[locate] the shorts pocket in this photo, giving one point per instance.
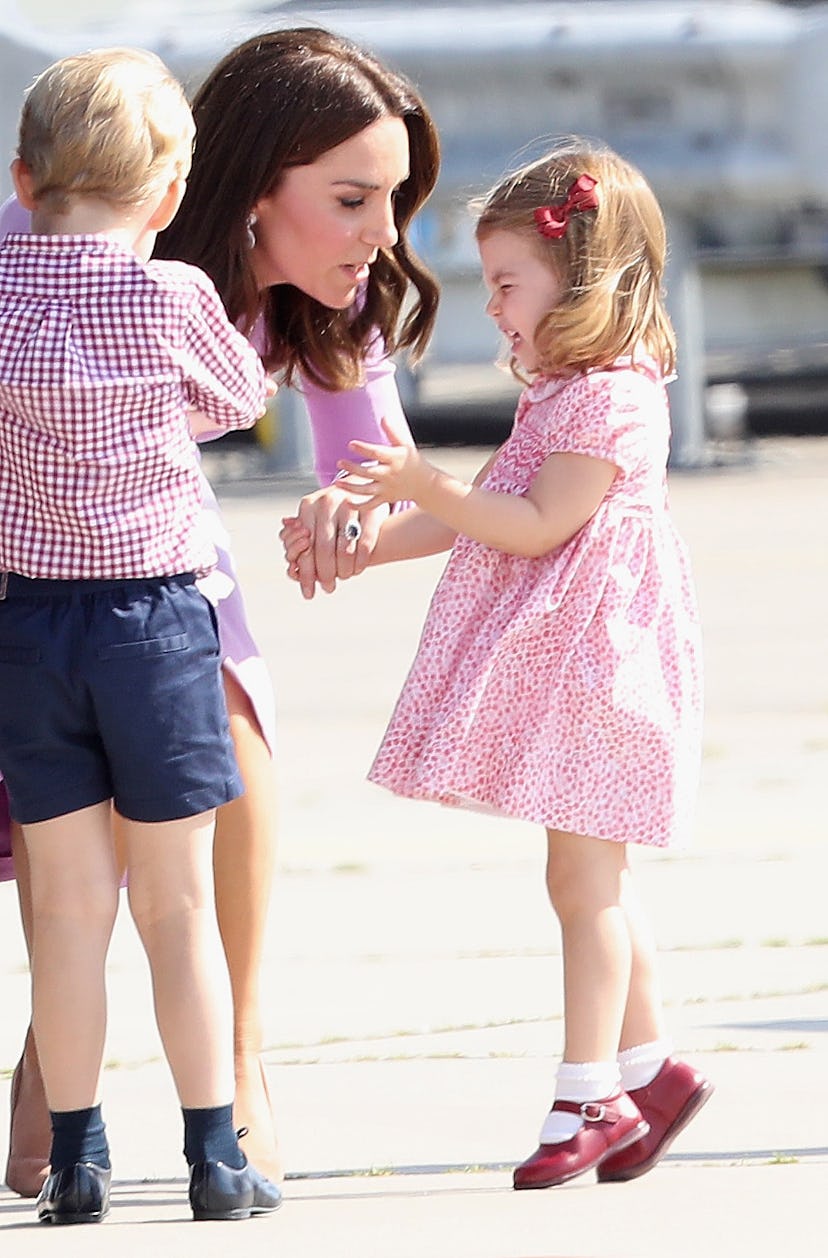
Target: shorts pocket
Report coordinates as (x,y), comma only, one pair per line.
(16,653)
(149,648)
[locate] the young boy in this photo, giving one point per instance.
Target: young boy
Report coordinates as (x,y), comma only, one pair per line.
(109,664)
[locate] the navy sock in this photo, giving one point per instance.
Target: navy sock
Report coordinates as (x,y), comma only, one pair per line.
(209,1137)
(78,1135)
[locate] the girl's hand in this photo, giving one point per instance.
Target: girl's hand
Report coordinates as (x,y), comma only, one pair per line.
(386,474)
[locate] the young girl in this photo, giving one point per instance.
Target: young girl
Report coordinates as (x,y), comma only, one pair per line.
(558,675)
(105,359)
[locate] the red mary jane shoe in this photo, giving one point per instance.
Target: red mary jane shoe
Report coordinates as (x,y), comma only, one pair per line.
(668,1103)
(609,1126)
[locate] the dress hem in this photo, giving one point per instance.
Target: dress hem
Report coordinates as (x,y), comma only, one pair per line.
(565,826)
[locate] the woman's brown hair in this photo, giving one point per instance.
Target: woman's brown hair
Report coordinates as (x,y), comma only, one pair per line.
(610,259)
(283,99)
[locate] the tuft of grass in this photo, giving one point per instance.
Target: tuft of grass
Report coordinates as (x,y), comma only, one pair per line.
(717,946)
(114,1063)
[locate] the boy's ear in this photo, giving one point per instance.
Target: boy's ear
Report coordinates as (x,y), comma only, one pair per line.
(167,207)
(23,184)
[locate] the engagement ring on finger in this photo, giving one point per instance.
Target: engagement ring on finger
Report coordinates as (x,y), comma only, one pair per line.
(352,531)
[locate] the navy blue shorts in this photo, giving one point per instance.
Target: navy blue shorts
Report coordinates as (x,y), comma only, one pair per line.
(112,690)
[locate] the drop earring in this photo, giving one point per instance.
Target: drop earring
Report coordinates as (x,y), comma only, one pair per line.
(250,234)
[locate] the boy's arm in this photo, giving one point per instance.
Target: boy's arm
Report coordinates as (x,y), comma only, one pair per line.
(226,382)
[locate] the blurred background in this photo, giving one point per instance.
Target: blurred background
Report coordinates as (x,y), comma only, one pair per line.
(722,105)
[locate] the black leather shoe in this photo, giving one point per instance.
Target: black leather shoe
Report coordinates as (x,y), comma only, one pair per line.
(77,1194)
(218,1191)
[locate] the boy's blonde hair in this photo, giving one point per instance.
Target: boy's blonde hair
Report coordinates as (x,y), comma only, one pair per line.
(610,259)
(111,123)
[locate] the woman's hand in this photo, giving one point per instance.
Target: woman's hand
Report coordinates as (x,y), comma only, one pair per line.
(331,537)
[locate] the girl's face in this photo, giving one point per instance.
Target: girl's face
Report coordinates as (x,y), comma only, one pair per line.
(523,289)
(325,223)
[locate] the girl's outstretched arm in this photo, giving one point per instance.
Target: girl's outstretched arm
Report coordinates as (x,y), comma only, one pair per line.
(411,534)
(567,490)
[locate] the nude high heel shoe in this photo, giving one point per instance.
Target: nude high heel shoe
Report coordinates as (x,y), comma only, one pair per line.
(30,1129)
(253,1115)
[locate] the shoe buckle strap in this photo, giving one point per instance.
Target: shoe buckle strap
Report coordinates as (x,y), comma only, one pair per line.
(598,1112)
(590,1111)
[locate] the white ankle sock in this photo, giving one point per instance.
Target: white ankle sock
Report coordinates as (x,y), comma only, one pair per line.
(640,1065)
(578,1081)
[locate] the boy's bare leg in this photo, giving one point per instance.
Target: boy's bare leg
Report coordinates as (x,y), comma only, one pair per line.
(74,900)
(243,865)
(172,901)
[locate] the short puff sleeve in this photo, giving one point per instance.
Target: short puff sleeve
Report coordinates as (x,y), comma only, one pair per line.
(613,415)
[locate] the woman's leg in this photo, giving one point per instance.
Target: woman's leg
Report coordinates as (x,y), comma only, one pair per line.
(243,862)
(74,900)
(22,875)
(30,1131)
(170,886)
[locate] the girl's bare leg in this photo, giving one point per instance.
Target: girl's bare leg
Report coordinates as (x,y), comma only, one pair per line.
(243,861)
(585,877)
(30,1132)
(643,1015)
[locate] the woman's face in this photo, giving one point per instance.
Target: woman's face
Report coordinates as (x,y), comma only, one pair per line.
(324,225)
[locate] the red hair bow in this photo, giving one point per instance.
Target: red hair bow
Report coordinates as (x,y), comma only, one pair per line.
(553,220)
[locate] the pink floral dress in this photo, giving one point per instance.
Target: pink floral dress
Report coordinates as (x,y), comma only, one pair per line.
(565,689)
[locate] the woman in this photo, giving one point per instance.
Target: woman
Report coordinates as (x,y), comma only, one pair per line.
(311,160)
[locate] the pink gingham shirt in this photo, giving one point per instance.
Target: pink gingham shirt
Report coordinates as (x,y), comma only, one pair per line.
(101,358)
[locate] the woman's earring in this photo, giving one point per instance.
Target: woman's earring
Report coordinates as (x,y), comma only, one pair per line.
(251,235)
